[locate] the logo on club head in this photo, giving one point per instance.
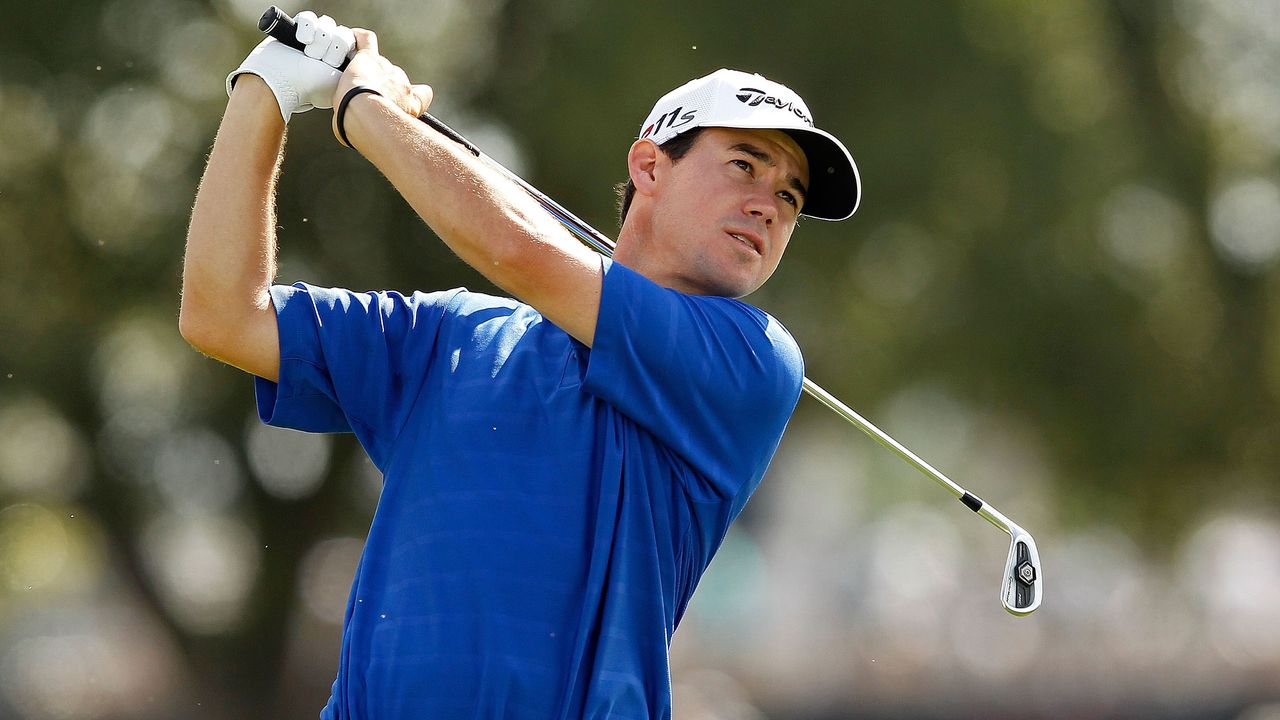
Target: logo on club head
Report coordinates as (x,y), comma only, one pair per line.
(753,97)
(1027,573)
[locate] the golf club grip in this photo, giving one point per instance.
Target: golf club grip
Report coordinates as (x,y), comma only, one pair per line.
(279,25)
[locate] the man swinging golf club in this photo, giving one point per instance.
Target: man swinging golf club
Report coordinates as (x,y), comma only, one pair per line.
(559,466)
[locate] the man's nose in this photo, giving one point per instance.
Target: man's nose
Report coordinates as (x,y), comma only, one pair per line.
(760,205)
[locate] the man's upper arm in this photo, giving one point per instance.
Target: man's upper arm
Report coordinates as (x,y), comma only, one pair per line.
(251,344)
(352,361)
(261,352)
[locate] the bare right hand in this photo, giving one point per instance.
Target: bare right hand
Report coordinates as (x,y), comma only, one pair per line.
(368,68)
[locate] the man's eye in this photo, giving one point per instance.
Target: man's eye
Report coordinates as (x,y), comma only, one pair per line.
(743,164)
(791,199)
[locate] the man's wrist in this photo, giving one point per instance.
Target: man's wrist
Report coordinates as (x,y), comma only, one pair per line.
(351,121)
(340,112)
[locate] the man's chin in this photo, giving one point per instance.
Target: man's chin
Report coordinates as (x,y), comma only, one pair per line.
(722,284)
(729,289)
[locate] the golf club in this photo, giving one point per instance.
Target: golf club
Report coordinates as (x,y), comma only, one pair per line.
(1022,585)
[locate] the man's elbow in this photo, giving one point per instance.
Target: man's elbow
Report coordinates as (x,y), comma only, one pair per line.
(201,327)
(193,319)
(193,328)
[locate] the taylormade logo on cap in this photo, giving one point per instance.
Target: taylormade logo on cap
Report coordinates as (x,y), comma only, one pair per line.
(725,98)
(753,97)
(735,99)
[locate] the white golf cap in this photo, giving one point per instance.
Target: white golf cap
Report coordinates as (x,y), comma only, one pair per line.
(735,99)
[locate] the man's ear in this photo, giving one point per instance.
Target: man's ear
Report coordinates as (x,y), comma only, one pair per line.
(642,165)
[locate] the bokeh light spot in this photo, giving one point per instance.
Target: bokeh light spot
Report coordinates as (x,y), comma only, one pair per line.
(1145,231)
(1232,564)
(196,472)
(143,364)
(29,131)
(289,464)
(325,579)
(203,568)
(40,452)
(33,546)
(1245,224)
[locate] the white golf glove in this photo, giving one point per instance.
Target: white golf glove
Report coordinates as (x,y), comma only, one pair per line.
(301,80)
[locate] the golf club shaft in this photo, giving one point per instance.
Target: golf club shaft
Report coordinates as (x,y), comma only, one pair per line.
(971,501)
(280,26)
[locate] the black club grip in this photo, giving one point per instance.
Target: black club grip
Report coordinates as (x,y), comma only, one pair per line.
(277,23)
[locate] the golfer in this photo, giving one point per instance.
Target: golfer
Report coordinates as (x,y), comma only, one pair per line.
(559,465)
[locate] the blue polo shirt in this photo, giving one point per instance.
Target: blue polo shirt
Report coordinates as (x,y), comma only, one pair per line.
(547,508)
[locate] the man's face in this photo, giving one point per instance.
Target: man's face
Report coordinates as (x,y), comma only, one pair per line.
(723,213)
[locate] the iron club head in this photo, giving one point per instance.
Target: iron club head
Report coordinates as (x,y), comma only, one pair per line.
(1023,584)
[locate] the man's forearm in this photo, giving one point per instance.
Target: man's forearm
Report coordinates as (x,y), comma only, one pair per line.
(230,256)
(480,214)
(490,222)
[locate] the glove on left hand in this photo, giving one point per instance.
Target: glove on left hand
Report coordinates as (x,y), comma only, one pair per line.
(301,80)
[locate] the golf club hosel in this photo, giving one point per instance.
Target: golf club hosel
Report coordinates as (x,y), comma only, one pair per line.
(997,518)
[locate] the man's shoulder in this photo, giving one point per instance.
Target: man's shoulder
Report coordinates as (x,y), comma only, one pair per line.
(631,286)
(764,328)
(762,318)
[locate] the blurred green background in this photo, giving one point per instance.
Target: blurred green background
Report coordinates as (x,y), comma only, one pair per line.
(1061,289)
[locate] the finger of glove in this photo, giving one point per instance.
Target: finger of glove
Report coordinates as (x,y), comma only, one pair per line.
(340,46)
(325,27)
(306,21)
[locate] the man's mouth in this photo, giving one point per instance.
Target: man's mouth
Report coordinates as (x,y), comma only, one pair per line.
(745,240)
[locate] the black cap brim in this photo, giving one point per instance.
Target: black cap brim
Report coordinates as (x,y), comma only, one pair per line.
(834,186)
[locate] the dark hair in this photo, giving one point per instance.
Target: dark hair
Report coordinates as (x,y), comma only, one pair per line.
(675,148)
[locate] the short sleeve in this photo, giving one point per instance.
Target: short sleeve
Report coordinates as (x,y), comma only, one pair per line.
(713,378)
(350,362)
